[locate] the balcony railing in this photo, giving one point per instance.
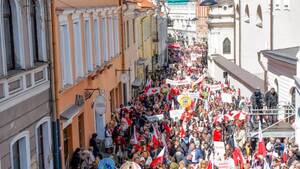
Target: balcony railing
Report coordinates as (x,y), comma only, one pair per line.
(274,121)
(12,86)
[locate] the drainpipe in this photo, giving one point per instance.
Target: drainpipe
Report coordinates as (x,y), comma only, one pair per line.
(234,33)
(271,25)
(265,71)
(240,33)
(55,123)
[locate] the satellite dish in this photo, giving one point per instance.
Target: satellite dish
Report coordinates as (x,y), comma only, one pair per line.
(124,77)
(99,105)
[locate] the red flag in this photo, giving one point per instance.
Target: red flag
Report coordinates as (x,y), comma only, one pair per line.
(156,143)
(237,155)
(182,132)
(148,85)
(209,166)
(261,144)
(159,159)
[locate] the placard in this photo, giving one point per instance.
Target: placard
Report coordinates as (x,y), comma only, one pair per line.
(219,148)
(226,98)
(155,117)
(176,114)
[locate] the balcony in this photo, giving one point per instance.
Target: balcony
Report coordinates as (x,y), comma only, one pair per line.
(284,116)
(12,86)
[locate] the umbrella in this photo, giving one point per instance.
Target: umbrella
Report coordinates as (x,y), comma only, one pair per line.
(106,163)
(130,165)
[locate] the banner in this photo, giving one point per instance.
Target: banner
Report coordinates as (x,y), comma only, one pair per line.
(215,87)
(155,117)
(184,101)
(178,82)
(176,114)
(200,79)
(223,164)
(153,91)
(193,95)
(219,148)
(226,98)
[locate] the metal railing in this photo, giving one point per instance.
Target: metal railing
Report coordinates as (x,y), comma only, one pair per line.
(284,113)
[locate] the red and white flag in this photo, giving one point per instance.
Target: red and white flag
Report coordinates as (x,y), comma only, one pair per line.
(148,85)
(238,155)
(159,159)
(135,140)
(261,144)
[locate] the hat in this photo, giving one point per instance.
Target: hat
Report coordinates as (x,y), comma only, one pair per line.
(174,165)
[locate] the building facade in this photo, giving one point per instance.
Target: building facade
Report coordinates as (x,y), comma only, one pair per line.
(87,59)
(25,124)
(184,18)
(201,23)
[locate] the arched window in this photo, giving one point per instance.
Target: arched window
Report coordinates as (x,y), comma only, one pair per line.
(34,29)
(37,30)
(259,17)
(226,46)
(247,14)
(9,35)
(20,151)
(293,95)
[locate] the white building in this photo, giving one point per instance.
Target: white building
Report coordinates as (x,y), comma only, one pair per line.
(221,29)
(266,43)
(183,15)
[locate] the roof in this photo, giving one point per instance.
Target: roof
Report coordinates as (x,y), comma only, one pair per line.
(225,2)
(288,55)
(248,79)
(145,3)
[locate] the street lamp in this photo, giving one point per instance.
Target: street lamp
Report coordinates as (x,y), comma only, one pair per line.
(208,3)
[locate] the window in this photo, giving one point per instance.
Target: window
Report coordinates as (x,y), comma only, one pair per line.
(88,47)
(81,129)
(259,17)
(43,142)
(247,14)
(20,151)
(127,34)
(226,46)
(104,38)
(9,35)
(66,62)
(133,27)
(117,35)
(96,43)
(111,37)
(78,49)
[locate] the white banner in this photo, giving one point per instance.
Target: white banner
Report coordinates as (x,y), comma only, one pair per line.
(219,148)
(153,91)
(215,87)
(200,79)
(155,117)
(226,98)
(176,114)
(178,82)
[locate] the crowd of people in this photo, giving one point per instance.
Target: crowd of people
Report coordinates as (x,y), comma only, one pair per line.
(183,119)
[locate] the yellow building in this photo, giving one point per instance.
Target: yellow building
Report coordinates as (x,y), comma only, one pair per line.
(87,38)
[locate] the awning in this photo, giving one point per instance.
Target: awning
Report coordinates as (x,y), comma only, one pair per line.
(249,80)
(137,83)
(70,112)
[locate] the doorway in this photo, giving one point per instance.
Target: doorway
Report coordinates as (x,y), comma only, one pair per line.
(67,136)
